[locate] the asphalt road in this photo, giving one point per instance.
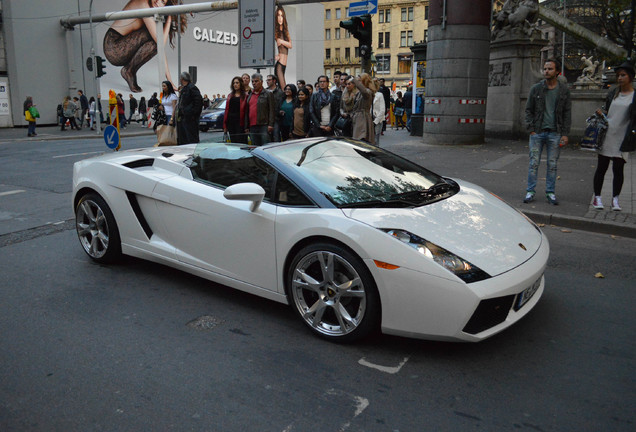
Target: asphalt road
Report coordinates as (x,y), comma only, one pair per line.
(138,346)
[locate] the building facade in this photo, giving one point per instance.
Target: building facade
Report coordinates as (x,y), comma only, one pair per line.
(397,26)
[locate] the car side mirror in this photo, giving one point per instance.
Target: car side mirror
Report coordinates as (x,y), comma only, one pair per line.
(246,192)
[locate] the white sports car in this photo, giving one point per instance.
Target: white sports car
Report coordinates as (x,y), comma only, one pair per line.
(355,238)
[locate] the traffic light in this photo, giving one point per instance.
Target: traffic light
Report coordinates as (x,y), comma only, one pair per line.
(100,66)
(360,28)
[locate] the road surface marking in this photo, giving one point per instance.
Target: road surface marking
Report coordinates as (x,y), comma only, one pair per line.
(385,369)
(12,192)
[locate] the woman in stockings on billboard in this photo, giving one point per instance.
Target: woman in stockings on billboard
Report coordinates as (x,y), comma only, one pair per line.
(132,42)
(283,43)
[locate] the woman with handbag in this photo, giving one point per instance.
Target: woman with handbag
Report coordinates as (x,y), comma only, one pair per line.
(234,117)
(347,104)
(29,117)
(620,106)
(301,123)
(362,126)
(169,100)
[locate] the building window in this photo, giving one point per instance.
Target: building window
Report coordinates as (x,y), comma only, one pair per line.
(347,53)
(357,72)
(348,71)
(384,16)
(327,14)
(356,51)
(328,53)
(346,11)
(338,54)
(407,13)
(426,35)
(328,34)
(404,64)
(425,12)
(383,64)
(328,73)
(347,34)
(338,33)
(384,39)
(338,14)
(406,38)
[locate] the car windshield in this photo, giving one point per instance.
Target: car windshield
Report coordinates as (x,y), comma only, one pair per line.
(354,174)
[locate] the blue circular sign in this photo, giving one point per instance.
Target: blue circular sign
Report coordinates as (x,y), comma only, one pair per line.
(111,137)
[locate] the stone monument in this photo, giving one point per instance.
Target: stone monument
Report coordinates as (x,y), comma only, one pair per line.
(515,65)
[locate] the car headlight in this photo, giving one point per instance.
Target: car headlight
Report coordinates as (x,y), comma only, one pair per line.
(460,267)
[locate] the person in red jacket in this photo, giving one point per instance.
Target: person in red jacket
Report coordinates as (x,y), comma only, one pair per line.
(234,118)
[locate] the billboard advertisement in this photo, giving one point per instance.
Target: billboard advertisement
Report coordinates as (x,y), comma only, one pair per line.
(210,41)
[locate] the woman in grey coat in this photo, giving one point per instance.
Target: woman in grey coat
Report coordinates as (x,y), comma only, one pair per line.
(363,126)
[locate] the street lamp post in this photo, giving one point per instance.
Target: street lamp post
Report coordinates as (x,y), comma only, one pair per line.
(95,71)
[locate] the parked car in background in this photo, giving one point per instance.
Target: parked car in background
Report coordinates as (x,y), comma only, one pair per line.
(212,118)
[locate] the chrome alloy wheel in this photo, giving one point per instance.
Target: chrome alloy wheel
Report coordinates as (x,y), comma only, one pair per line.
(92,228)
(328,293)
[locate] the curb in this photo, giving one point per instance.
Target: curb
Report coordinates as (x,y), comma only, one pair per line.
(583,224)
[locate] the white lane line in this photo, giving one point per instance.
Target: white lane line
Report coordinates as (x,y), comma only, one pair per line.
(385,369)
(12,192)
(77,154)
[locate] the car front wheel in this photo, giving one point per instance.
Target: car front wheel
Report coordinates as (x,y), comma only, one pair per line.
(96,229)
(334,293)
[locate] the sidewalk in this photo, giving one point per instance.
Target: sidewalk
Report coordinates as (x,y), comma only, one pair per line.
(501,166)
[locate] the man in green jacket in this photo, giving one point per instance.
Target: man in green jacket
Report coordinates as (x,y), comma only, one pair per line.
(548,120)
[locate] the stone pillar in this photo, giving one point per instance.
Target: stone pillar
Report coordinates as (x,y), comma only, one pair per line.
(457,71)
(515,66)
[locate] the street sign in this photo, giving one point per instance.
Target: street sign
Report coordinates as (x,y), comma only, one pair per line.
(256,24)
(363,8)
(111,137)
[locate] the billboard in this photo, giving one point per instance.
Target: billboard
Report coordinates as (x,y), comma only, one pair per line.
(207,40)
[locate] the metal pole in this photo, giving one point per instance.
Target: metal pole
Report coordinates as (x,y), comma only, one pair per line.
(563,47)
(161,49)
(95,71)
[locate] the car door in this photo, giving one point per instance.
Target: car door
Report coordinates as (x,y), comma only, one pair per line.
(217,234)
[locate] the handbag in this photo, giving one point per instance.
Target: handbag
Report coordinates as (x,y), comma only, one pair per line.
(594,132)
(166,135)
(399,112)
(34,112)
(343,123)
(28,116)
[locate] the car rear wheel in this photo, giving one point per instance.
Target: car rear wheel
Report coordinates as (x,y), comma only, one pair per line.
(334,293)
(96,229)
(204,128)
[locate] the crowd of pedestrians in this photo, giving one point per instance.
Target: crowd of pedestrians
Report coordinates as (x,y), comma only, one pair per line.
(258,110)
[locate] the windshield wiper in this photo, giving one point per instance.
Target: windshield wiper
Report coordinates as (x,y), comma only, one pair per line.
(436,190)
(378,203)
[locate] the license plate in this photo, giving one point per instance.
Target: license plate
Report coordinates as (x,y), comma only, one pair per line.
(526,294)
(203,124)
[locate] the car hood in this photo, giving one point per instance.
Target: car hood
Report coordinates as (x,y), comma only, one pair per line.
(473,224)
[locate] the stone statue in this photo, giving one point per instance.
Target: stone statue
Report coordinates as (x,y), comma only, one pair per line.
(590,68)
(517,18)
(591,75)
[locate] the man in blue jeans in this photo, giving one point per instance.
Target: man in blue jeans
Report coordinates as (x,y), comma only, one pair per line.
(548,119)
